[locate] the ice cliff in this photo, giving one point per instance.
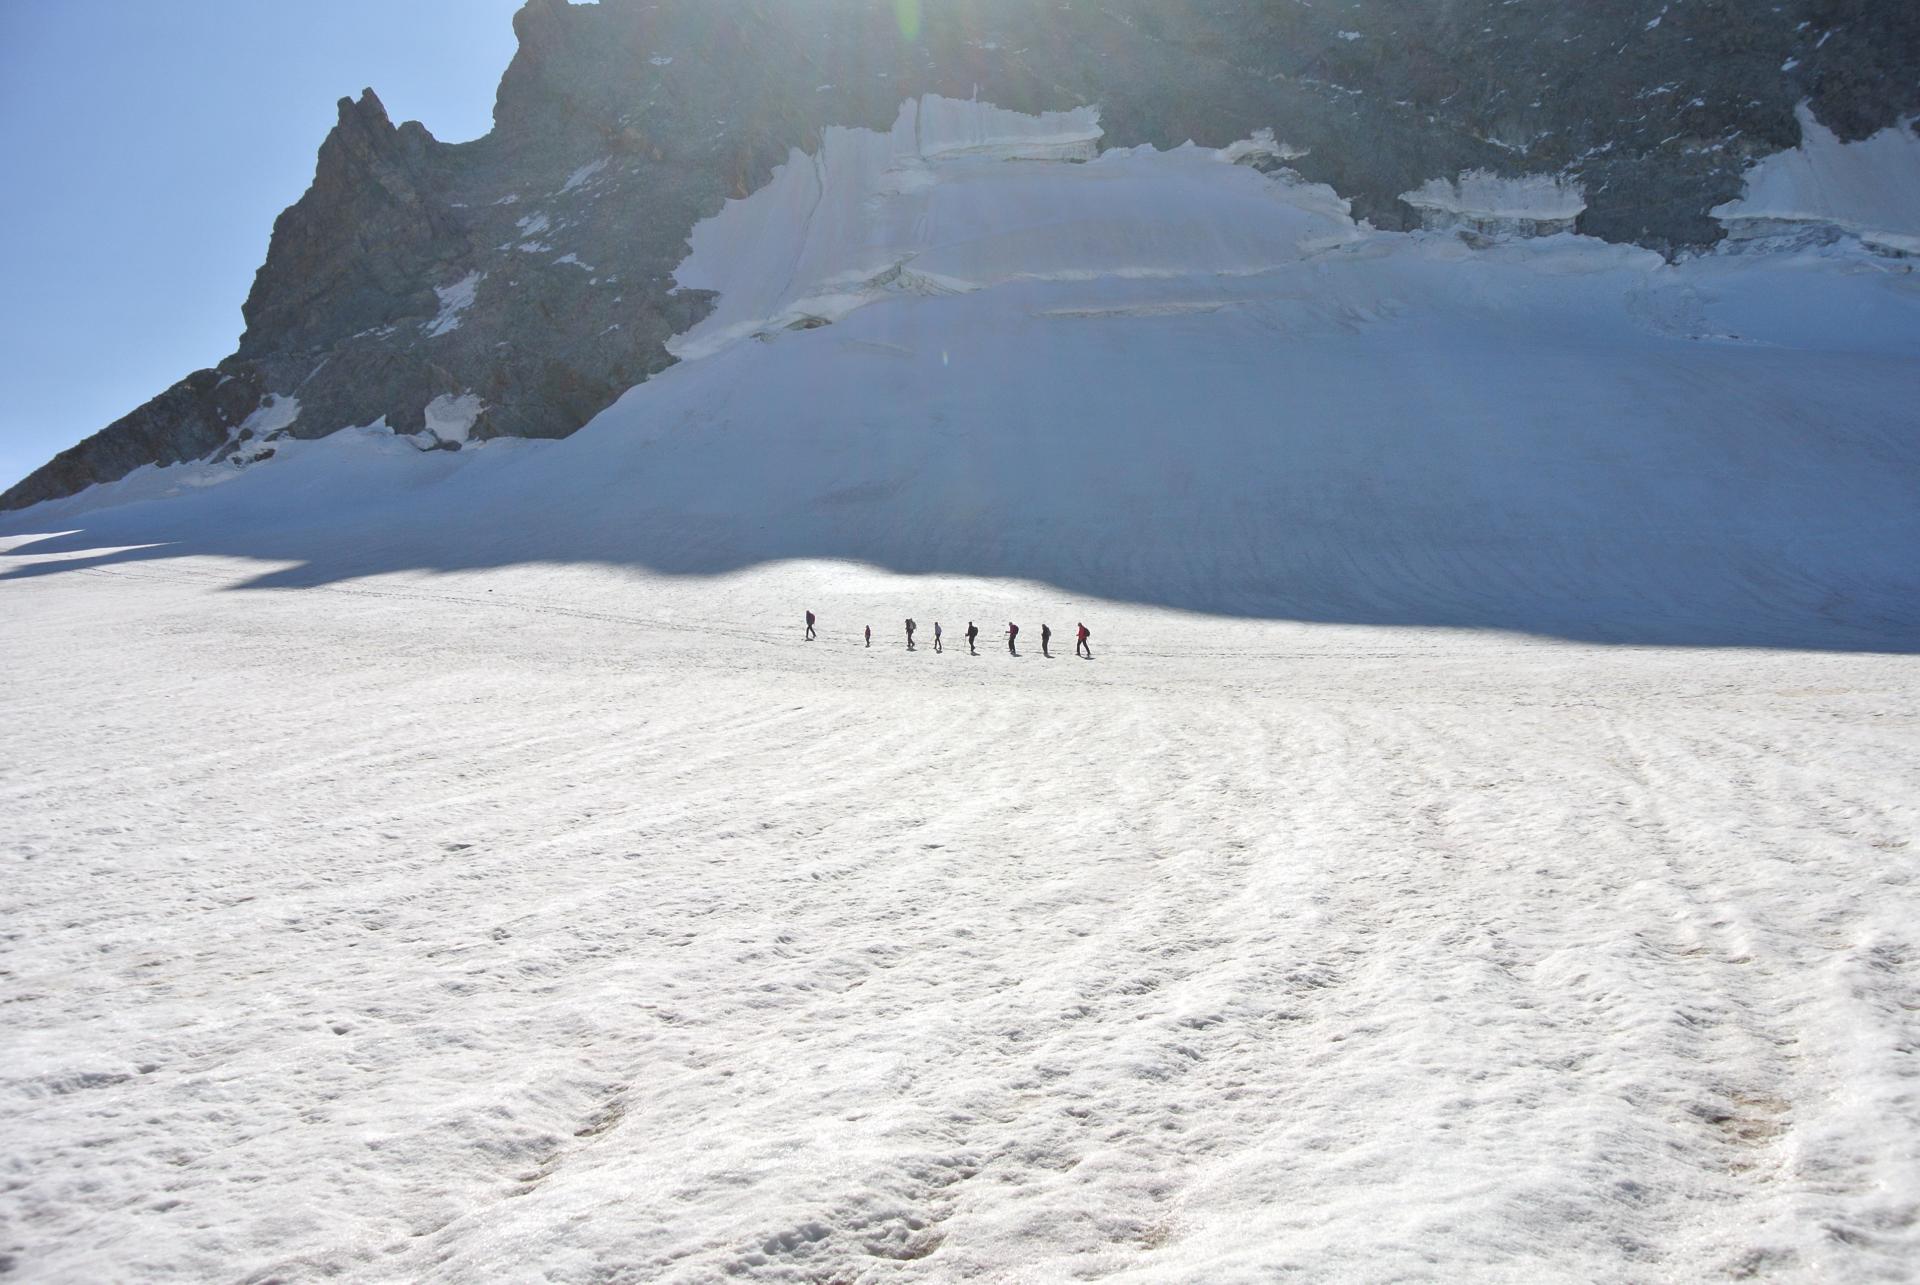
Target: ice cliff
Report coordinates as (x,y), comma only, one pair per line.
(1824,189)
(1487,204)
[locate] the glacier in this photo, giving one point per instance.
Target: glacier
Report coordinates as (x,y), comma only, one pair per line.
(1484,847)
(1167,378)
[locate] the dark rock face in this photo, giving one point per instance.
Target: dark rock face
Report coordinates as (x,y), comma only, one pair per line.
(534,267)
(360,244)
(196,417)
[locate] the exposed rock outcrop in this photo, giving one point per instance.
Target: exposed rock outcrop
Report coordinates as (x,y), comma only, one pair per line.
(357,250)
(193,419)
(532,270)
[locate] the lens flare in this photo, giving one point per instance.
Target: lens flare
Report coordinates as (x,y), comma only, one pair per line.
(907,13)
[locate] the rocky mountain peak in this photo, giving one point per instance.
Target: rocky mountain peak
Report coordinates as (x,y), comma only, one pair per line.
(350,254)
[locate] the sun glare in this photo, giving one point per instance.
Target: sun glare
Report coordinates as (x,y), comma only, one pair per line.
(907,13)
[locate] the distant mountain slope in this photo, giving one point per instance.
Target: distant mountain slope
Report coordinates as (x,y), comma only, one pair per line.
(1166,378)
(531,271)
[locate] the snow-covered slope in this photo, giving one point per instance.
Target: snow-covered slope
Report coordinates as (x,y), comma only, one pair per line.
(535,268)
(446,866)
(1165,378)
(543,923)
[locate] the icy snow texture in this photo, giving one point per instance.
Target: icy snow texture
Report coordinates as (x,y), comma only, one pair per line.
(629,939)
(497,888)
(1531,205)
(1869,189)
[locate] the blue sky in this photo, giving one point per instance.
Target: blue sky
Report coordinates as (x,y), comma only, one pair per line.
(147,148)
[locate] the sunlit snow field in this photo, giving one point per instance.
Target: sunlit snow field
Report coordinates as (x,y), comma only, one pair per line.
(1482,846)
(485,926)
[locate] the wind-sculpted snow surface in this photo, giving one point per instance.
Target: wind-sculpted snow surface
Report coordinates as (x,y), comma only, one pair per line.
(501,889)
(570,925)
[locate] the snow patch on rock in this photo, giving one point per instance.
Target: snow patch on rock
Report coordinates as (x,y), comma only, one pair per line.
(584,175)
(454,301)
(275,414)
(451,418)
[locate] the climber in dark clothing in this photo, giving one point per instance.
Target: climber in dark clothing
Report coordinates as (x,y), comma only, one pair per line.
(910,628)
(973,632)
(1013,633)
(869,635)
(1046,636)
(809,626)
(1081,645)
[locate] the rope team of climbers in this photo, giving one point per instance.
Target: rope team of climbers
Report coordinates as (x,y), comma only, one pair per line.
(1081,647)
